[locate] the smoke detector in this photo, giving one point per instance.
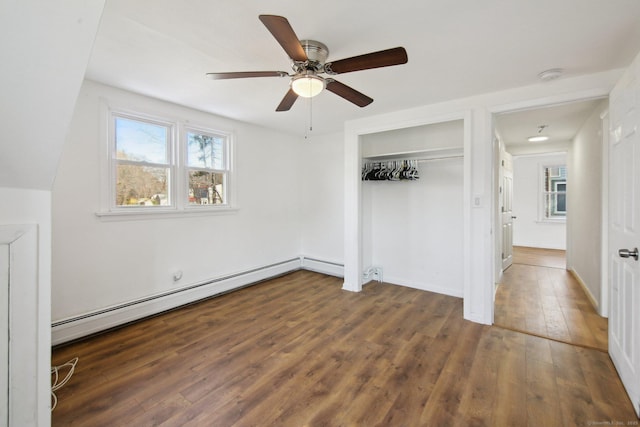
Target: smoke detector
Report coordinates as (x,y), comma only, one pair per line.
(551,74)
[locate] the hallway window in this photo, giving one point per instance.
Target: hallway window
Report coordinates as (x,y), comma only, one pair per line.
(554,194)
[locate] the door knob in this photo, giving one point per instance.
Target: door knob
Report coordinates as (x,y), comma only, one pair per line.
(626,253)
(513,217)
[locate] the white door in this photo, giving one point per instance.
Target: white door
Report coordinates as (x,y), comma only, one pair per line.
(624,231)
(507,210)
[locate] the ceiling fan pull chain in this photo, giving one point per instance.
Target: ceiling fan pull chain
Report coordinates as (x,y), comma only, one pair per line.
(310,114)
(310,127)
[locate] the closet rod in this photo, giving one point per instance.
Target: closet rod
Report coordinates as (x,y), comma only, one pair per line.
(439,158)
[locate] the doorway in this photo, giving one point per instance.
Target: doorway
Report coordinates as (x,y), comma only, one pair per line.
(544,292)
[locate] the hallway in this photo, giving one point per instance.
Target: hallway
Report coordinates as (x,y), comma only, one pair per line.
(538,296)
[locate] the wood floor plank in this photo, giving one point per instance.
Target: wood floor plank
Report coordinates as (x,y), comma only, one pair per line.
(536,256)
(300,351)
(543,405)
(479,399)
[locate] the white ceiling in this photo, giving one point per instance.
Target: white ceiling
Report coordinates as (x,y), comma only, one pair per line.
(163,48)
(562,122)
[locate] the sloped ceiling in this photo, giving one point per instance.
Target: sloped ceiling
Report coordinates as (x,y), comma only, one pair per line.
(163,48)
(45,49)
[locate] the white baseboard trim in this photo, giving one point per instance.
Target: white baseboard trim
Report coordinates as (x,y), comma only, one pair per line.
(324,267)
(586,289)
(90,323)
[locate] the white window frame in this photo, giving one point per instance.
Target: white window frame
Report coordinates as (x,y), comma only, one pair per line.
(114,161)
(178,170)
(558,192)
(543,194)
(226,171)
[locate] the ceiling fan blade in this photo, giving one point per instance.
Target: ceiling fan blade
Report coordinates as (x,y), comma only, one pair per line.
(287,101)
(245,74)
(382,58)
(348,93)
(284,34)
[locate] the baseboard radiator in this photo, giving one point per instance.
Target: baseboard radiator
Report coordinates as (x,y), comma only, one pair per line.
(76,327)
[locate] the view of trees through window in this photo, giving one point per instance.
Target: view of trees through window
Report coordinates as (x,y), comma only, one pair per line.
(141,185)
(142,166)
(206,162)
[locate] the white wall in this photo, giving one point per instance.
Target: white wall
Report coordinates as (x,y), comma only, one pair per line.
(528,229)
(584,206)
(415,227)
(322,197)
(98,263)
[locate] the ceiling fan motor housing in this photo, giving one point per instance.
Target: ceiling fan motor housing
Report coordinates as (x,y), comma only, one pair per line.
(317,53)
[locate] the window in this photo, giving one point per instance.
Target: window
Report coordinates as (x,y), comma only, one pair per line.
(161,166)
(143,170)
(206,167)
(554,192)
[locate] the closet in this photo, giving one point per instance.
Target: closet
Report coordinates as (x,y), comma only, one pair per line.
(412,211)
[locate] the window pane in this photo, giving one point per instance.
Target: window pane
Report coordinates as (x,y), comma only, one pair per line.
(561,204)
(206,188)
(555,205)
(554,175)
(205,151)
(141,141)
(555,187)
(142,186)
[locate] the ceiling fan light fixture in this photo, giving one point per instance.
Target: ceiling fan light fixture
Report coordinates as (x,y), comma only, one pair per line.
(307,85)
(539,137)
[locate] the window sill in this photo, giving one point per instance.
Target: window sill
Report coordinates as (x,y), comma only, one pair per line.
(137,214)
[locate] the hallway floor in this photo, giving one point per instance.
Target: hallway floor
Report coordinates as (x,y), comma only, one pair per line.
(540,297)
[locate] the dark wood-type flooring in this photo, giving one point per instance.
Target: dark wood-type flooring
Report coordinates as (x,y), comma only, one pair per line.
(300,351)
(539,296)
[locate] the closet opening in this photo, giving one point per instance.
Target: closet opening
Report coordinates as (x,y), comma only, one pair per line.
(412,199)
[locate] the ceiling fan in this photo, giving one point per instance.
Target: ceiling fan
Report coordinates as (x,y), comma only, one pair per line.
(309,62)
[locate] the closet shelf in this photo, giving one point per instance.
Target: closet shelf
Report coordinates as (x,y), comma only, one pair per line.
(419,154)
